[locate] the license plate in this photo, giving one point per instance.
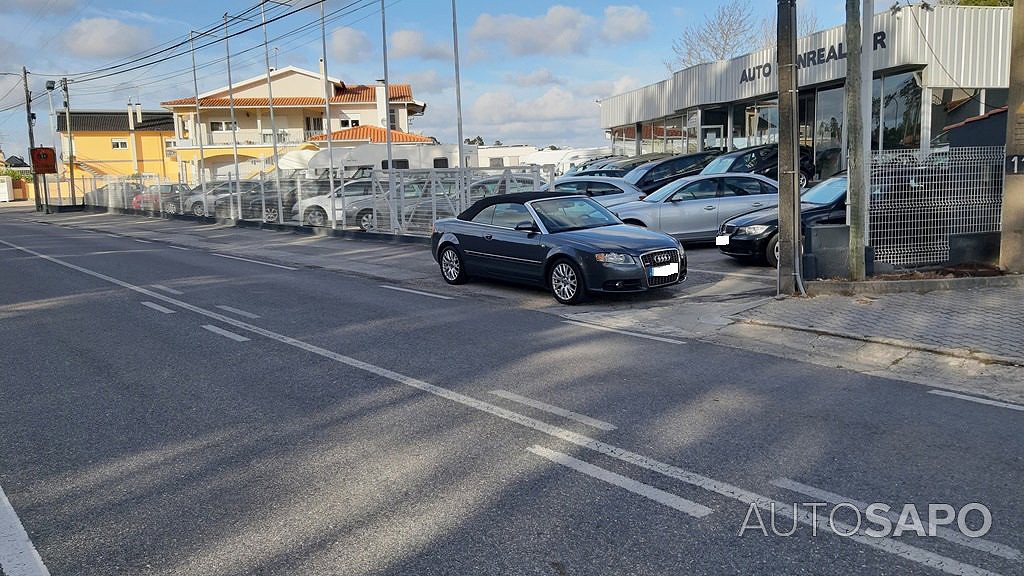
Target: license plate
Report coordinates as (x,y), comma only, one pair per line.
(666,270)
(722,240)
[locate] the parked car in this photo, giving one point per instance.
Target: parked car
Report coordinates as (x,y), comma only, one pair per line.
(652,175)
(755,235)
(628,164)
(606,172)
(197,202)
(607,191)
(157,195)
(568,243)
(592,163)
(693,208)
(763,160)
(114,195)
(358,194)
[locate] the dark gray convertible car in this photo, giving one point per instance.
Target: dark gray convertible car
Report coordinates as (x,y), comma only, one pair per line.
(568,243)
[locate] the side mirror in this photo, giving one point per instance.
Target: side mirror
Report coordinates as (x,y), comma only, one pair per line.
(642,196)
(526,226)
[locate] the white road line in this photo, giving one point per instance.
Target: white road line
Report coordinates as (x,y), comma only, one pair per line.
(225,333)
(18,557)
(944,533)
(624,332)
(166,289)
(179,247)
(416,292)
(889,545)
(157,307)
(660,496)
(112,235)
(553,409)
(254,261)
(242,313)
(737,274)
(143,241)
(978,400)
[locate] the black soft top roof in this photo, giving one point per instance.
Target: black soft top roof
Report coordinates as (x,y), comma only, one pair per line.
(514,198)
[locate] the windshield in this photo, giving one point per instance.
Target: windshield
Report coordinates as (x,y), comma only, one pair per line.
(634,175)
(827,192)
(565,214)
(718,165)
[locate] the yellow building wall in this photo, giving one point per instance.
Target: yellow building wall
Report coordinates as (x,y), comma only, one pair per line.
(94,149)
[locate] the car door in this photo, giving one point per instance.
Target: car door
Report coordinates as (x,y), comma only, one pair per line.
(606,192)
(692,211)
(515,254)
(740,194)
(475,246)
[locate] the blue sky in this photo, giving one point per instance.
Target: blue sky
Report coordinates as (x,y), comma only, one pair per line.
(531,70)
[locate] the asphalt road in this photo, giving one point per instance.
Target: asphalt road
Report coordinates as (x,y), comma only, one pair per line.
(168,411)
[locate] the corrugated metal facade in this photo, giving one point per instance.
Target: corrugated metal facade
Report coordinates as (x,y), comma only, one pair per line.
(955,45)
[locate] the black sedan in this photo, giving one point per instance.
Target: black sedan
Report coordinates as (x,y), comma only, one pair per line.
(568,243)
(754,236)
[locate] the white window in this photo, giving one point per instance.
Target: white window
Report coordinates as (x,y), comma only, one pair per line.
(170,143)
(221,126)
(314,124)
(355,123)
(393,119)
(118,144)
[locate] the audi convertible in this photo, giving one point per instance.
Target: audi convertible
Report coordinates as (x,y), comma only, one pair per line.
(568,243)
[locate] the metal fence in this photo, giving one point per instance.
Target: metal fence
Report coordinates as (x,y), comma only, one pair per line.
(920,198)
(399,202)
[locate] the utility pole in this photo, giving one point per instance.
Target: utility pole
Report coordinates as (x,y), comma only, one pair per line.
(197,130)
(234,124)
(327,123)
(387,105)
(131,135)
(1011,253)
(273,121)
(857,156)
(71,138)
(31,135)
(789,175)
(458,105)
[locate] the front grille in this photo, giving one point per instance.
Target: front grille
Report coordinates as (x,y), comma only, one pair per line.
(660,258)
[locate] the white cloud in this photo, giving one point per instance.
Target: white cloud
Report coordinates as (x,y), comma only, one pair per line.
(105,38)
(33,5)
(557,103)
(350,46)
(562,30)
(426,82)
(625,23)
(412,44)
(606,88)
(538,77)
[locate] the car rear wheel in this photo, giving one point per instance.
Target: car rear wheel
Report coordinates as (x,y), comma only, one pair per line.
(198,209)
(804,179)
(452,269)
(566,282)
(365,220)
(170,208)
(316,216)
(270,215)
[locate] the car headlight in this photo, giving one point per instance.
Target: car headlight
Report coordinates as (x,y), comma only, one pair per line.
(614,258)
(755,230)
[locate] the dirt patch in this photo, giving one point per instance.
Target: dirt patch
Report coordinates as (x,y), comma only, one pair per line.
(958,271)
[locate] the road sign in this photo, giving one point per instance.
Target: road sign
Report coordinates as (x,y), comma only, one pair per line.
(44,160)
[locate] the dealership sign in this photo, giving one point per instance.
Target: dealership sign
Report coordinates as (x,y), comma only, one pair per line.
(809,59)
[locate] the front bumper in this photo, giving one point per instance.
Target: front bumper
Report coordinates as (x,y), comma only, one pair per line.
(742,246)
(626,277)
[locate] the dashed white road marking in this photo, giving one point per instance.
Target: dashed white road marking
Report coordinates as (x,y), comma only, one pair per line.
(167,289)
(410,291)
(157,307)
(112,235)
(888,545)
(946,534)
(978,400)
(624,332)
(254,261)
(143,241)
(18,556)
(178,247)
(241,313)
(660,496)
(553,409)
(225,333)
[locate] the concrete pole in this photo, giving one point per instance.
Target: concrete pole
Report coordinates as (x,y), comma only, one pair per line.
(387,104)
(273,121)
(328,90)
(197,130)
(131,136)
(1011,253)
(31,136)
(856,159)
(867,74)
(71,138)
(789,175)
(234,125)
(463,195)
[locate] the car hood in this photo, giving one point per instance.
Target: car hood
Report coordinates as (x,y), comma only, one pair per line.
(770,216)
(618,238)
(634,206)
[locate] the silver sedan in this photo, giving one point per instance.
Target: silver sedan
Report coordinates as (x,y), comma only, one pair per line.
(693,208)
(605,190)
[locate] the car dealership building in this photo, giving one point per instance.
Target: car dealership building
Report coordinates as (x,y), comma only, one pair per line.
(935,66)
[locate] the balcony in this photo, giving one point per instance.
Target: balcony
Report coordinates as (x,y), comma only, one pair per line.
(250,137)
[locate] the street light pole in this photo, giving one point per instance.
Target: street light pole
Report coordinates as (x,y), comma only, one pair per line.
(273,122)
(458,99)
(234,123)
(856,168)
(327,122)
(31,134)
(197,129)
(387,102)
(71,138)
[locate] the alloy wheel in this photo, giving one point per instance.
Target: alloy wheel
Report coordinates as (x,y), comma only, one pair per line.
(270,215)
(316,217)
(366,221)
(564,281)
(450,265)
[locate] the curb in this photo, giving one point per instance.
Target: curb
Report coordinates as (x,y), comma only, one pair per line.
(845,288)
(909,345)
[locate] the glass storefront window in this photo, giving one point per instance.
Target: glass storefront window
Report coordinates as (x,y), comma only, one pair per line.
(901,112)
(674,135)
(763,122)
(828,131)
(624,140)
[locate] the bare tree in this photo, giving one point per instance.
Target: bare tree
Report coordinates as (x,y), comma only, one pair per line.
(806,23)
(725,34)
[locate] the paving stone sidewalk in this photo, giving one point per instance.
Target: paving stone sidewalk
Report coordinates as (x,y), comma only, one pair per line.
(985,323)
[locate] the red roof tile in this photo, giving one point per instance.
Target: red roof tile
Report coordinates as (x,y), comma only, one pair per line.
(374,134)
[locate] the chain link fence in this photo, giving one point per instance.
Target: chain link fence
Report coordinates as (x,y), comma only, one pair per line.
(920,198)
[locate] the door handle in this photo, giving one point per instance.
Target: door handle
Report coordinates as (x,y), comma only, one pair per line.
(488,236)
(709,207)
(757,204)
